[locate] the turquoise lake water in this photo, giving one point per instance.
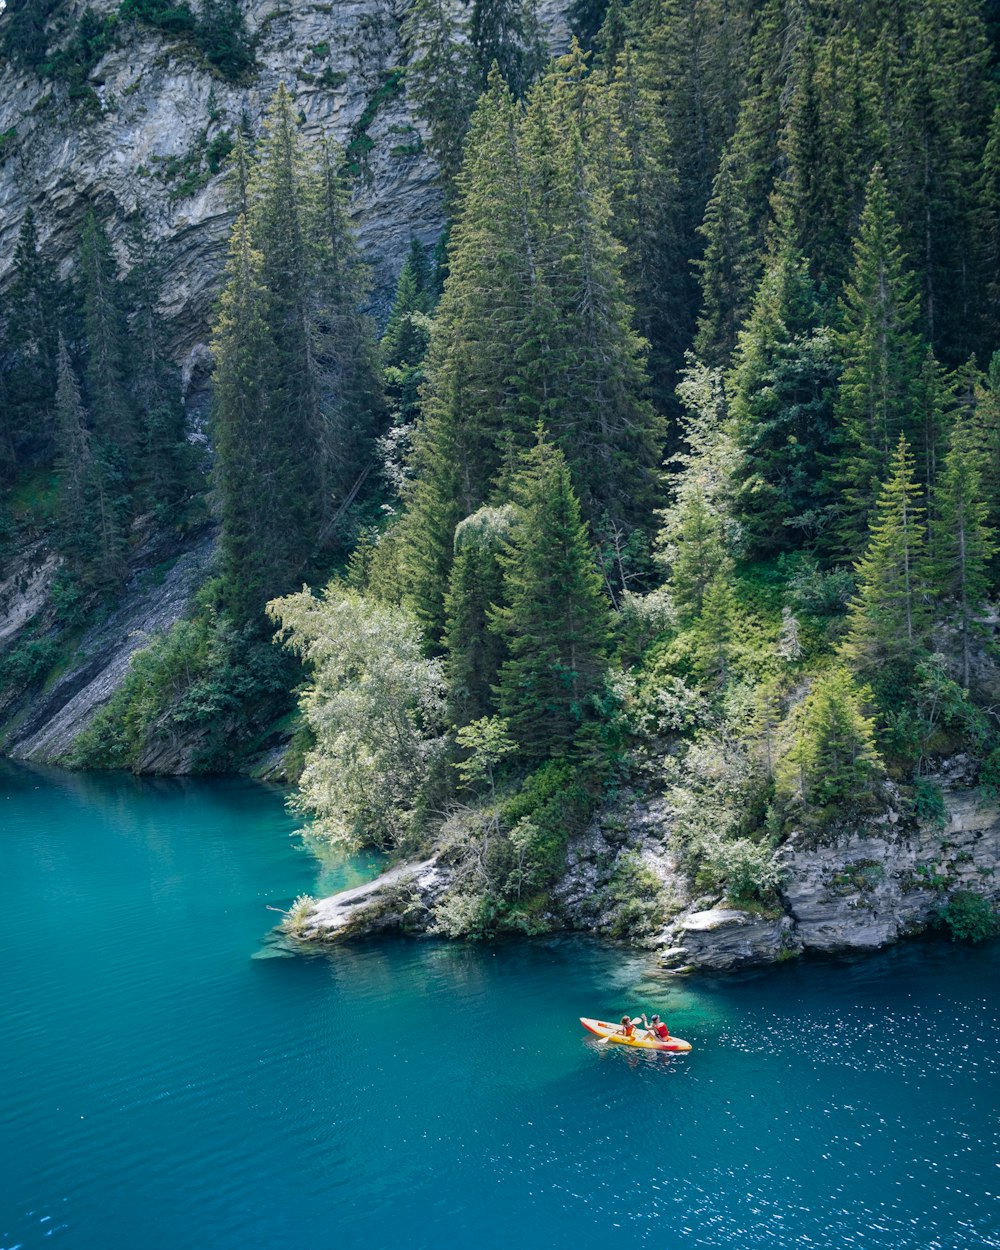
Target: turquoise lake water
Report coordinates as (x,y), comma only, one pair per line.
(163,1088)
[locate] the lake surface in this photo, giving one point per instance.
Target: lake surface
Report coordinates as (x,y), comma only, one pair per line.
(163,1088)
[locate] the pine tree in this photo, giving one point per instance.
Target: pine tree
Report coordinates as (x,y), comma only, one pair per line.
(440,79)
(352,406)
(474,651)
(404,344)
(881,357)
(829,139)
(831,756)
(887,618)
(74,463)
(582,365)
(555,617)
(964,543)
(261,553)
(943,109)
(626,129)
(106,331)
(92,503)
(781,392)
(34,314)
(988,199)
(470,402)
(738,208)
(156,391)
(506,33)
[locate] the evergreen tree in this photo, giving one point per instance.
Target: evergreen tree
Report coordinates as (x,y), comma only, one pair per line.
(474,651)
(887,618)
(628,131)
(829,139)
(738,209)
(440,79)
(964,543)
(260,551)
(506,33)
(831,756)
(107,353)
(402,350)
(74,463)
(223,35)
(155,386)
(470,401)
(988,199)
(92,504)
(34,314)
(943,109)
(881,357)
(352,406)
(582,365)
(555,617)
(781,392)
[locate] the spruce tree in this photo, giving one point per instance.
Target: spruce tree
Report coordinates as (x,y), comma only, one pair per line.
(74,463)
(155,384)
(781,392)
(107,352)
(470,401)
(92,506)
(261,554)
(738,208)
(403,347)
(964,544)
(627,130)
(352,406)
(441,80)
(881,355)
(34,314)
(506,33)
(830,756)
(581,370)
(988,200)
(474,651)
(886,622)
(554,617)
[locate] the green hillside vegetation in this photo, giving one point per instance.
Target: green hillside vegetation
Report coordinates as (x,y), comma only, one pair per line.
(678,468)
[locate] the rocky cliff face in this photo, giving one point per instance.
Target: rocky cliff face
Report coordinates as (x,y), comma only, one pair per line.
(150,142)
(160,110)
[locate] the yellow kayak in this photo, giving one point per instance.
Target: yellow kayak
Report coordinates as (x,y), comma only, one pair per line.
(641,1039)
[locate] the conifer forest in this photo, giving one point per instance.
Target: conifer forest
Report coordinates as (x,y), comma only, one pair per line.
(673,468)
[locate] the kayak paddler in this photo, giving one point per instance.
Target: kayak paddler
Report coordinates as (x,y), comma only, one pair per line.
(656,1028)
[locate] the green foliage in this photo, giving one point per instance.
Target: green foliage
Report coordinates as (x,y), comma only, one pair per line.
(296,396)
(553,618)
(928,803)
(638,904)
(887,621)
(969,917)
(375,705)
(205,687)
(828,755)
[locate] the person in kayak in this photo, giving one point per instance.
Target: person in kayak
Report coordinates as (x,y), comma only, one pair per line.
(627,1027)
(656,1028)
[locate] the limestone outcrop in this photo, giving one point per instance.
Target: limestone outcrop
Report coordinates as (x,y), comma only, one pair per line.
(859,891)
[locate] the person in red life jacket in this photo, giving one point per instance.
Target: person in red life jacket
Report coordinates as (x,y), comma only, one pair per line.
(656,1028)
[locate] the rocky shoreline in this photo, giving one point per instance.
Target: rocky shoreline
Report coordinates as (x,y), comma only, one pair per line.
(863,890)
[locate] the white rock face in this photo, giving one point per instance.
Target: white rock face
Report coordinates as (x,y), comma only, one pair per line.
(158,102)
